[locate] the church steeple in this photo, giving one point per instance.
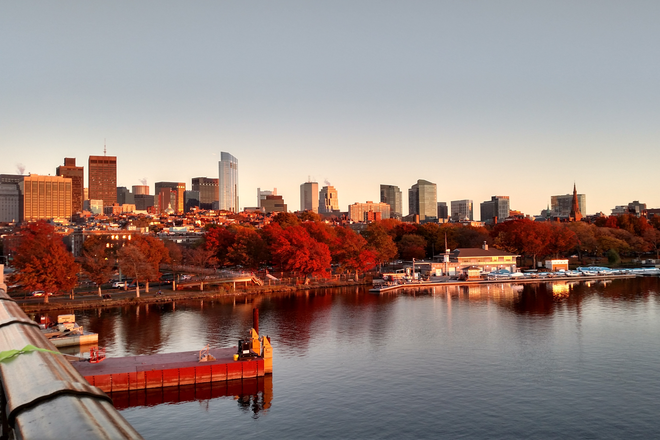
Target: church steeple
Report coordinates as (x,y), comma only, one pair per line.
(576,215)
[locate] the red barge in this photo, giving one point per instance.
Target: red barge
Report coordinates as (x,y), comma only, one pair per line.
(252,358)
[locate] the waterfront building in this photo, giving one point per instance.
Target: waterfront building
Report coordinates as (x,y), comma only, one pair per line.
(228,182)
(369,211)
(102,176)
(462,210)
(45,198)
(209,191)
(495,210)
(391,194)
(328,200)
(423,200)
(309,197)
(176,194)
(273,203)
(77,176)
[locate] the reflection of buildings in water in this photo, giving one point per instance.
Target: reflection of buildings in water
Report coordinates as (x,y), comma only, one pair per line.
(253,395)
(561,290)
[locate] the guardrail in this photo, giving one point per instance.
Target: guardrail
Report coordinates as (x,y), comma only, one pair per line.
(43,396)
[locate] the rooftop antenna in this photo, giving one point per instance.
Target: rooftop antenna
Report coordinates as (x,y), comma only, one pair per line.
(104,146)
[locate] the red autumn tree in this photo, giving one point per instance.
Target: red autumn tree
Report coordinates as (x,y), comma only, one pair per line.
(248,249)
(351,251)
(381,242)
(156,254)
(298,252)
(412,246)
(218,239)
(98,263)
(135,264)
(42,261)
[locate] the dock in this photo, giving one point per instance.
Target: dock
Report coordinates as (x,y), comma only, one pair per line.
(395,287)
(168,370)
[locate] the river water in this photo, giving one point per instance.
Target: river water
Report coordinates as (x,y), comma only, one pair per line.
(562,360)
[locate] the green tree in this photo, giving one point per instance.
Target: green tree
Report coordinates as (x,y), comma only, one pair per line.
(42,261)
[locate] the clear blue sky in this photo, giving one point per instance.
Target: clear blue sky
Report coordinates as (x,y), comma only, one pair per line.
(518,98)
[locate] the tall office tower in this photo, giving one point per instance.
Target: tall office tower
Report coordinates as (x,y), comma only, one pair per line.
(140,189)
(462,210)
(561,205)
(309,197)
(443,212)
(228,182)
(191,200)
(77,176)
(364,212)
(328,200)
(124,196)
(10,197)
(423,200)
(10,202)
(143,201)
(102,178)
(178,201)
(391,195)
(45,197)
(208,191)
(263,193)
(495,210)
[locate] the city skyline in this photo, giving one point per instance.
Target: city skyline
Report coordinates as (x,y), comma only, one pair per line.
(545,93)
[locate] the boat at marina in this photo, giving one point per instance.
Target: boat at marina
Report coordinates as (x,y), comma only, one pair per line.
(67,332)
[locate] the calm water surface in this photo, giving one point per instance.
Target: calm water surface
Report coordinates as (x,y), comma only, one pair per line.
(563,360)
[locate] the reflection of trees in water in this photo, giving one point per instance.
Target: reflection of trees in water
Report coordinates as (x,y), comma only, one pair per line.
(141,329)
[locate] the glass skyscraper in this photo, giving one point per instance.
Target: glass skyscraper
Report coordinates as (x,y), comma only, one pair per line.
(228,182)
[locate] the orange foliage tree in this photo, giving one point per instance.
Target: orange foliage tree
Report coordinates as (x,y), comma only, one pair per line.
(42,261)
(297,251)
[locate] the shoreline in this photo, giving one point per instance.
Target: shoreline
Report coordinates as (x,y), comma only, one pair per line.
(126,298)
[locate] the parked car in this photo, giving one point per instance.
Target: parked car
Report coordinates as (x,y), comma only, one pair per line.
(120,284)
(40,293)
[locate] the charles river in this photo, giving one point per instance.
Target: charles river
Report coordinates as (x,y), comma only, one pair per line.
(562,360)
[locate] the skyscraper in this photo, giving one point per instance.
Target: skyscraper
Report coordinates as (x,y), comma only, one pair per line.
(228,182)
(208,191)
(177,193)
(391,195)
(76,174)
(328,200)
(102,175)
(45,197)
(496,208)
(462,210)
(309,197)
(423,200)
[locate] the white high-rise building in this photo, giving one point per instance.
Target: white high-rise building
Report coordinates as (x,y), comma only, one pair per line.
(228,182)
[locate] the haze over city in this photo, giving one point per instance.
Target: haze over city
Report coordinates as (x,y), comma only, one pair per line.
(505,98)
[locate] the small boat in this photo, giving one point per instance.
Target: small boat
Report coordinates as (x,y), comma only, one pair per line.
(67,332)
